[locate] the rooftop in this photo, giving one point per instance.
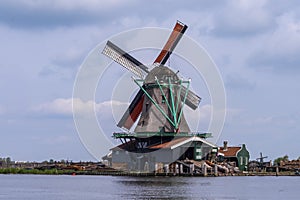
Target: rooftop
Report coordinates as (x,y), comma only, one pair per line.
(229,151)
(181,141)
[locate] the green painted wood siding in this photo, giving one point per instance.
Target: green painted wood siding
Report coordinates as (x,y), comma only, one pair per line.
(243,158)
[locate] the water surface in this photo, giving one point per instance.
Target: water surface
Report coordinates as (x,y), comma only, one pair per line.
(52,187)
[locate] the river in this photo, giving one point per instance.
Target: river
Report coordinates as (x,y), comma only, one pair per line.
(52,187)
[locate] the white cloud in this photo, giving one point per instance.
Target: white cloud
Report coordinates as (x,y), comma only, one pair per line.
(198,119)
(65,107)
(278,51)
(71,56)
(57,106)
(286,39)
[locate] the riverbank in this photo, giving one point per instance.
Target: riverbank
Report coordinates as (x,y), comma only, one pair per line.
(111,172)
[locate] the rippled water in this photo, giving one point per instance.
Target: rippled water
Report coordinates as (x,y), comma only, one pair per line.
(43,187)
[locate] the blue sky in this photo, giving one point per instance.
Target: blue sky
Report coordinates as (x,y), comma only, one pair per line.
(254,43)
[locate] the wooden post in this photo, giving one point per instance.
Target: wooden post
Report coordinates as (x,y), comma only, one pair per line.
(166,169)
(176,168)
(216,170)
(192,169)
(204,170)
(277,171)
(180,169)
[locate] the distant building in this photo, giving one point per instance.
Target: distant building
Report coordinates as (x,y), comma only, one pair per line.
(290,165)
(256,166)
(238,155)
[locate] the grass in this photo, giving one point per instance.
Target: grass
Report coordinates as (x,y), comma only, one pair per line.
(34,171)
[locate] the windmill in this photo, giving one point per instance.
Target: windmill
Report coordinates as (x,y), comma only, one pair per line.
(162,94)
(261,159)
(161,137)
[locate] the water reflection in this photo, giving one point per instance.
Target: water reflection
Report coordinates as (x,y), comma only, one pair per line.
(159,188)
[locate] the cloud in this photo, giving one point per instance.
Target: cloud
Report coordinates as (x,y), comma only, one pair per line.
(58,106)
(69,58)
(27,14)
(64,107)
(47,14)
(113,110)
(199,119)
(278,51)
(242,18)
(64,64)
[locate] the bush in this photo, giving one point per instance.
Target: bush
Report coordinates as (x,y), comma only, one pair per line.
(278,160)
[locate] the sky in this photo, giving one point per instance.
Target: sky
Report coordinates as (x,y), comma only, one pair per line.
(254,44)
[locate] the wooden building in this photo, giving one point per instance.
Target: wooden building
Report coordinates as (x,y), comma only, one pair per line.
(238,155)
(163,157)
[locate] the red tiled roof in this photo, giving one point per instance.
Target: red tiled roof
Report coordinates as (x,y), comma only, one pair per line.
(169,144)
(230,152)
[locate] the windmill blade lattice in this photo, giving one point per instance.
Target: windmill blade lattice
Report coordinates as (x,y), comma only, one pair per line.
(118,55)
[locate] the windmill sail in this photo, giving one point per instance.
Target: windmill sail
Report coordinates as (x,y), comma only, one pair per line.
(192,100)
(173,40)
(133,112)
(118,55)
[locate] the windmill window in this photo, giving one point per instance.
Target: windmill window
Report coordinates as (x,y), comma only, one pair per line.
(143,122)
(163,100)
(147,107)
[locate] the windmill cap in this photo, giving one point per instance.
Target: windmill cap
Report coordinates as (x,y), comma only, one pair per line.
(162,74)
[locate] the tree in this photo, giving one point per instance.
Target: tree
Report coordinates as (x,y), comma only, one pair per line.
(278,160)
(8,160)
